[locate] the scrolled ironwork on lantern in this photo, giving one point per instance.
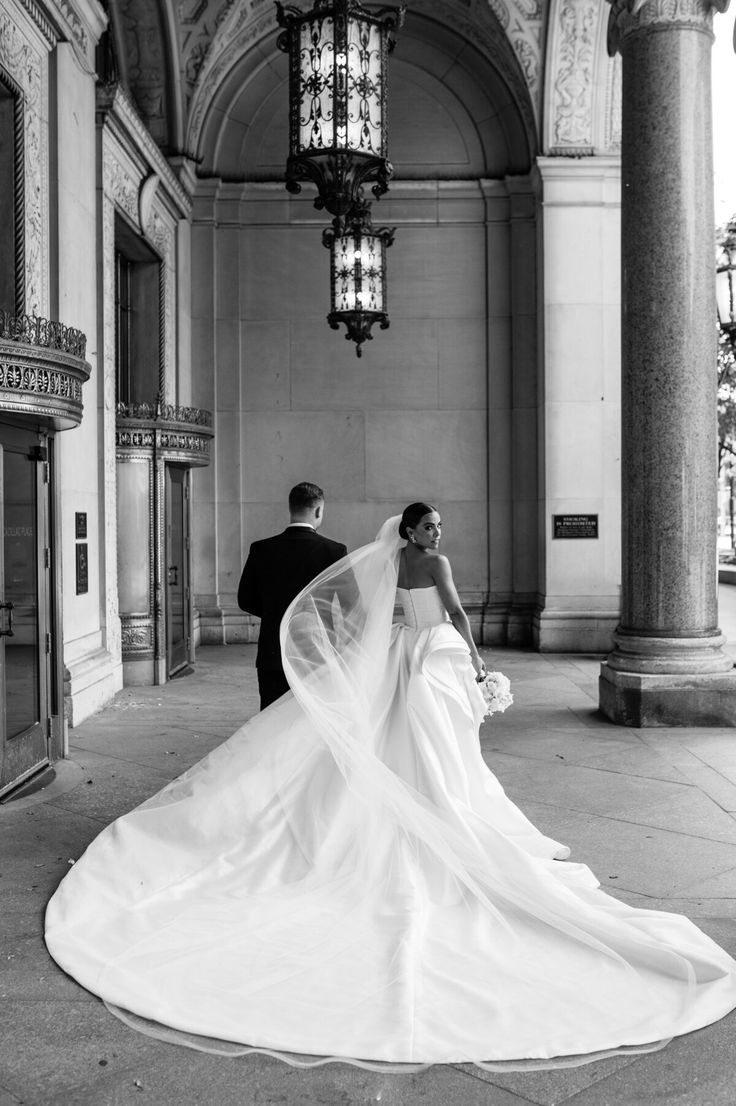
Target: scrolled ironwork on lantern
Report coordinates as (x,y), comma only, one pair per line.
(358,275)
(338,55)
(726,286)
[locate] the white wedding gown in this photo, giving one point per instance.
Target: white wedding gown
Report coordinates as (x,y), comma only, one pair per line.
(348,880)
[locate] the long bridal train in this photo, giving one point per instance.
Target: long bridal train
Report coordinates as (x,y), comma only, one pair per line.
(345,878)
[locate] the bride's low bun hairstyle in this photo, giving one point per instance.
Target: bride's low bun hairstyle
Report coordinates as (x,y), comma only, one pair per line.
(412,516)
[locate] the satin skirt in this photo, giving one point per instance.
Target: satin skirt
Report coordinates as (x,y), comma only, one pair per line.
(268,897)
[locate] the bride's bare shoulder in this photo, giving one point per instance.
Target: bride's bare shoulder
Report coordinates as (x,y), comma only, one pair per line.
(440,564)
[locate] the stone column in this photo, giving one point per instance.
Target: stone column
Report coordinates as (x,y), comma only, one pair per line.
(668,666)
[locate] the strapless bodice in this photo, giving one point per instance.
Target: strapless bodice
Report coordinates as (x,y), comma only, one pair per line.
(420,607)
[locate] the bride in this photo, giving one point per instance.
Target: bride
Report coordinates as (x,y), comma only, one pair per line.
(345,878)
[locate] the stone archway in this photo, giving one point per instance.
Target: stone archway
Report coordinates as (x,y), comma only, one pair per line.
(443,404)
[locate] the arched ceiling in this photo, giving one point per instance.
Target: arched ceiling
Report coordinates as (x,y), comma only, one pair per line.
(540,62)
(454,112)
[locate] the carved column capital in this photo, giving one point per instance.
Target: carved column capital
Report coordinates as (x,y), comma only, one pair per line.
(633,17)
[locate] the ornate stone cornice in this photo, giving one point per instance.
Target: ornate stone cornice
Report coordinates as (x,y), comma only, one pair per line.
(631,17)
(40,20)
(115,108)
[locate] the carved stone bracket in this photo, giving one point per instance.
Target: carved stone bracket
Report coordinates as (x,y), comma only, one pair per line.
(629,17)
(42,370)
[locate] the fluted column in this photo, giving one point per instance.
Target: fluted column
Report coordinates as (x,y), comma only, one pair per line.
(668,666)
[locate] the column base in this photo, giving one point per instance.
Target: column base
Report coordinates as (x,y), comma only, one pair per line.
(644,700)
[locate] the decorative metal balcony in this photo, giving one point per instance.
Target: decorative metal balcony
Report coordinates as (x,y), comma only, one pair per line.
(42,369)
(176,434)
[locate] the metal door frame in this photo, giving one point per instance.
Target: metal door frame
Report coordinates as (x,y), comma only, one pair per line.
(47,612)
(173,667)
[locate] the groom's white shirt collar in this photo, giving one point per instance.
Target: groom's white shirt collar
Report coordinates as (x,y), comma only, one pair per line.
(307,525)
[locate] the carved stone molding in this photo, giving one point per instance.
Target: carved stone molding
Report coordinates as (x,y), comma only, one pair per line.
(573,32)
(583,83)
(117,111)
(40,21)
(23,61)
(613,116)
(137,636)
(630,17)
(82,23)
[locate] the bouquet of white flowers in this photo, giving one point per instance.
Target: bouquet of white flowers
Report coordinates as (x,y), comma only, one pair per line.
(496,691)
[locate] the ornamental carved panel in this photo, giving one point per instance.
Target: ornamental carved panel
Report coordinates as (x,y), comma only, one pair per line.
(573,85)
(23,56)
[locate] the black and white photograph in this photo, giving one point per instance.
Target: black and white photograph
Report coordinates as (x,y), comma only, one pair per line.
(368,559)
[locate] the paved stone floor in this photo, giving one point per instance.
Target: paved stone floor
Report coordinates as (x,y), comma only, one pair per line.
(651,811)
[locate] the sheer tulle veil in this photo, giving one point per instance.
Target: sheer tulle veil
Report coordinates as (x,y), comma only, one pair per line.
(345,879)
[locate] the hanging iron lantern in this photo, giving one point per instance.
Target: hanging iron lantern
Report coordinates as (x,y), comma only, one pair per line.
(358,274)
(726,286)
(338,63)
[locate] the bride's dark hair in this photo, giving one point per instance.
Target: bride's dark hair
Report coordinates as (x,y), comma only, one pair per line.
(412,515)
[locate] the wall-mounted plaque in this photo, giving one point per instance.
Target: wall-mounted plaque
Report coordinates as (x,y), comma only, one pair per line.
(80,524)
(82,585)
(574,526)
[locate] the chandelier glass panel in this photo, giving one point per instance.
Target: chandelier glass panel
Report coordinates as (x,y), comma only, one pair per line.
(338,56)
(726,285)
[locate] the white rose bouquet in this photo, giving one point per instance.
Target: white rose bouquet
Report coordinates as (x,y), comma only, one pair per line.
(496,691)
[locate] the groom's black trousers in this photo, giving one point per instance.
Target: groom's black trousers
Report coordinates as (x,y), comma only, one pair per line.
(272,684)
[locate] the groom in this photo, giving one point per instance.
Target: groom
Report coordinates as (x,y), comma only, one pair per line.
(275,572)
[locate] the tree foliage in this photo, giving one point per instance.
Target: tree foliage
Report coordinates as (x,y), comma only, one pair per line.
(726,377)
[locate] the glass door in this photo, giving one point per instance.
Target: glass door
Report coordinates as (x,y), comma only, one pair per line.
(25,643)
(178,618)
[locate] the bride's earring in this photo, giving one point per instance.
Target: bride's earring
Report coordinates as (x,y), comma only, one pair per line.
(412,539)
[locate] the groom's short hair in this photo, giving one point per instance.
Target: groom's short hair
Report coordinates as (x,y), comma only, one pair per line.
(304,497)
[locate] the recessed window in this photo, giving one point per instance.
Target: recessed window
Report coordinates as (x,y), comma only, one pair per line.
(137,318)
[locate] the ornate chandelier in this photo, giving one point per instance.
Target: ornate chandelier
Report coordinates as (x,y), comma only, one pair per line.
(338,54)
(358,274)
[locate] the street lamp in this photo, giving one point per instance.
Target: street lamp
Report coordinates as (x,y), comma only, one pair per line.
(358,275)
(726,287)
(338,62)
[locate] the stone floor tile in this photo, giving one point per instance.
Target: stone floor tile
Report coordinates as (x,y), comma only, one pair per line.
(48,1047)
(546,751)
(551,1086)
(695,1070)
(176,1077)
(626,759)
(643,801)
(693,906)
(720,886)
(625,855)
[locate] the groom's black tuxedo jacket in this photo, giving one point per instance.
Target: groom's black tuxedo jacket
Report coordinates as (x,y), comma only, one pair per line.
(275,572)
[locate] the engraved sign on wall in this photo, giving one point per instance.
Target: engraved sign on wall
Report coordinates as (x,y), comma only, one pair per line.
(82,577)
(574,526)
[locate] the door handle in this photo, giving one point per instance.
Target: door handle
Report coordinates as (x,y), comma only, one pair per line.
(173,576)
(7,630)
